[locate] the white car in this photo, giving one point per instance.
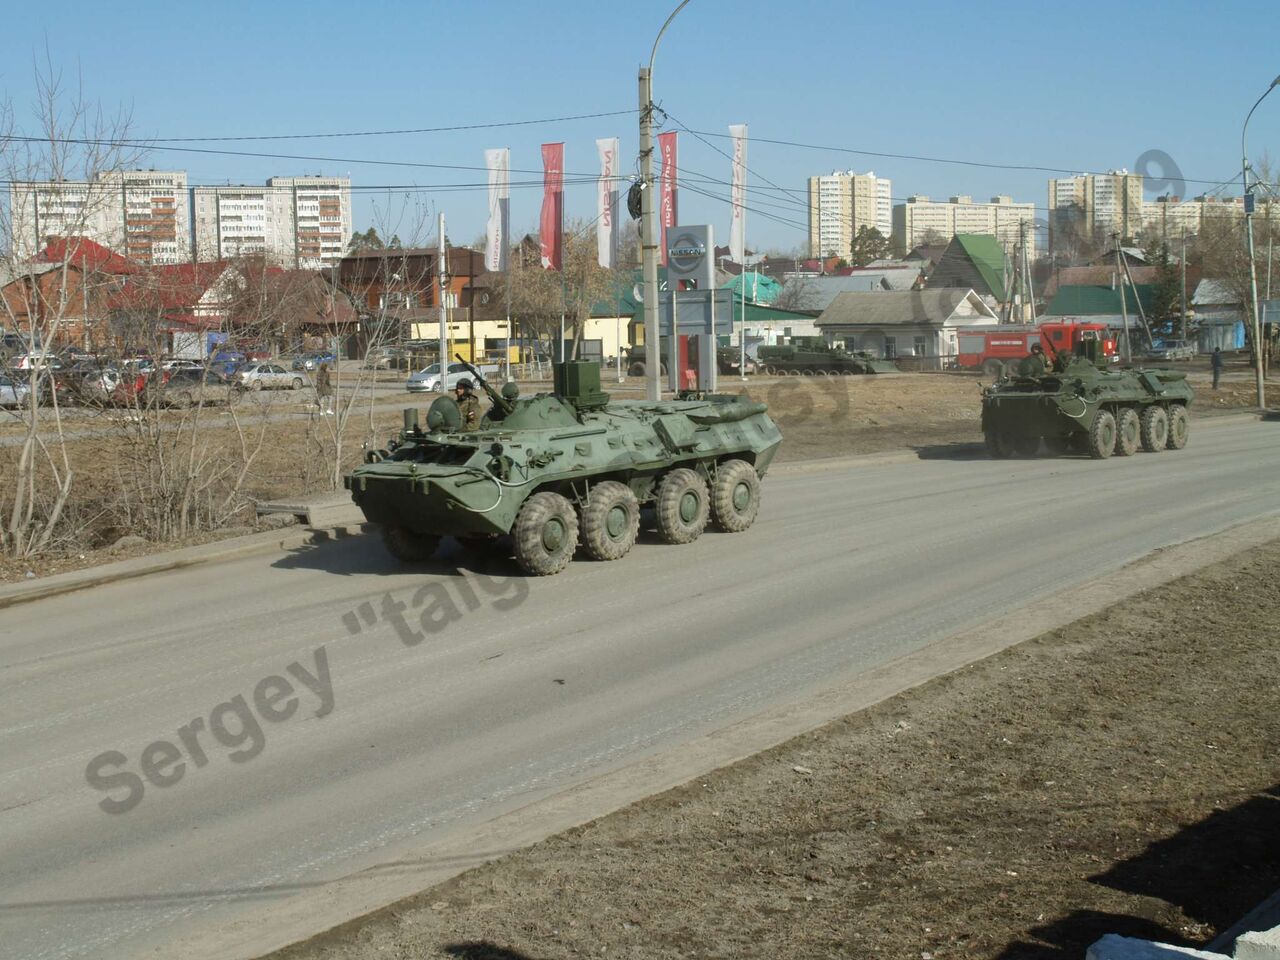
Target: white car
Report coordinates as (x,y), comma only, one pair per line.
(427,380)
(268,376)
(182,365)
(13,393)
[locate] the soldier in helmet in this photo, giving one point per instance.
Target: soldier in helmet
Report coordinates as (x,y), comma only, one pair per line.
(510,391)
(468,405)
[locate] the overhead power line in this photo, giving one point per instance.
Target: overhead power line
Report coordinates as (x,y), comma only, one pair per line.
(923,159)
(391,133)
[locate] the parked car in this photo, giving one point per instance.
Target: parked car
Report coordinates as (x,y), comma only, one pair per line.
(268,376)
(187,388)
(1172,350)
(28,361)
(312,361)
(427,380)
(182,364)
(13,393)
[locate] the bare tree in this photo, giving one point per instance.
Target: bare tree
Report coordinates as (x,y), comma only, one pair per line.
(76,141)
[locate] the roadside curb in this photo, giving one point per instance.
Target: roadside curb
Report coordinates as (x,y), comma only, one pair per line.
(412,871)
(233,548)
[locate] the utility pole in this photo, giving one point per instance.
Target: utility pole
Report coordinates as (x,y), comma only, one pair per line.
(649,226)
(1259,373)
(1184,284)
(1124,308)
(443,275)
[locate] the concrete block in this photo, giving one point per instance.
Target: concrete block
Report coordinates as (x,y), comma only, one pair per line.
(1116,947)
(1259,945)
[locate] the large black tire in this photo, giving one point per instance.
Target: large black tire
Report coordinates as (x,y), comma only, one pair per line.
(683,506)
(1128,429)
(610,521)
(1027,446)
(404,544)
(545,534)
(1155,429)
(637,369)
(1102,435)
(735,498)
(1179,427)
(999,445)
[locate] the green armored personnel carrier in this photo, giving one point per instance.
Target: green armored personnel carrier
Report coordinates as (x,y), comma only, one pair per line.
(1079,404)
(566,469)
(811,356)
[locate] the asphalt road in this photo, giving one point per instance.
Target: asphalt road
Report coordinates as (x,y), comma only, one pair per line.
(358,734)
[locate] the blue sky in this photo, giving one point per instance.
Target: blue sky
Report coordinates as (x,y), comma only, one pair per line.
(1083,85)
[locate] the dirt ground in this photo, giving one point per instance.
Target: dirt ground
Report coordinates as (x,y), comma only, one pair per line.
(819,417)
(1118,775)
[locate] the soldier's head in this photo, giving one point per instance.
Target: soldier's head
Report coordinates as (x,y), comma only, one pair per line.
(463,388)
(1037,349)
(510,390)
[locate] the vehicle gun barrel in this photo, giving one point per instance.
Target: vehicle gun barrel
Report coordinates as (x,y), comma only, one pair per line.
(499,401)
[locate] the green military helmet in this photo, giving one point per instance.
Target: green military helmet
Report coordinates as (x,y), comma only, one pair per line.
(510,390)
(444,416)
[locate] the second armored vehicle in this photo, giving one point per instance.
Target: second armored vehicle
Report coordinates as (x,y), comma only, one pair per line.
(811,356)
(1081,404)
(566,469)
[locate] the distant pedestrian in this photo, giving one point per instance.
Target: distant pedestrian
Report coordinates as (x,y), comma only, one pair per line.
(324,391)
(1215,364)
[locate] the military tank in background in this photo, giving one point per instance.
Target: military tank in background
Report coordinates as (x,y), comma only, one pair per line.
(812,356)
(1083,405)
(567,469)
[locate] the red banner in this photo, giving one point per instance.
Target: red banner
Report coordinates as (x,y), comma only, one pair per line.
(551,227)
(667,195)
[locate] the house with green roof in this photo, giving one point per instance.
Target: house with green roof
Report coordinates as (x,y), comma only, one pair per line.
(1101,302)
(974,261)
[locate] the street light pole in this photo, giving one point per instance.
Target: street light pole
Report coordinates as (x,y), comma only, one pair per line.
(648,224)
(1259,374)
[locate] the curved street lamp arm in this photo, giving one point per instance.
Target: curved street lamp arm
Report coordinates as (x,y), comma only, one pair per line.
(1244,153)
(683,4)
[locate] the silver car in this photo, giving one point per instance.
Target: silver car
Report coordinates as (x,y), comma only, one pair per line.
(427,380)
(268,376)
(13,393)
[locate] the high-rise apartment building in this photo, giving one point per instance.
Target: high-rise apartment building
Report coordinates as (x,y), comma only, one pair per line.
(843,202)
(143,214)
(299,222)
(1093,206)
(921,219)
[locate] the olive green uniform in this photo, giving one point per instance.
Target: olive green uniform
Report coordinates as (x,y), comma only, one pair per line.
(469,407)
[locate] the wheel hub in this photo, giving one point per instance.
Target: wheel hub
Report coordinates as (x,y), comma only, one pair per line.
(553,533)
(689,504)
(741,497)
(615,523)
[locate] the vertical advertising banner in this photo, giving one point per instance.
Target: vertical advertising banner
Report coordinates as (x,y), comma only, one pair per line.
(497,235)
(551,226)
(607,219)
(667,194)
(738,193)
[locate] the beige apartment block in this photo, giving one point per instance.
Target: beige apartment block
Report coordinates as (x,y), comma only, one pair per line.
(142,214)
(843,202)
(300,222)
(1095,206)
(920,219)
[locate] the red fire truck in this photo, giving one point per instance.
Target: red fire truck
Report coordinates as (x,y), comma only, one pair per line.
(994,349)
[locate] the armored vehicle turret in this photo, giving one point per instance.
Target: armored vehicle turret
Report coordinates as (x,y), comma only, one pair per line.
(811,356)
(1079,403)
(568,469)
